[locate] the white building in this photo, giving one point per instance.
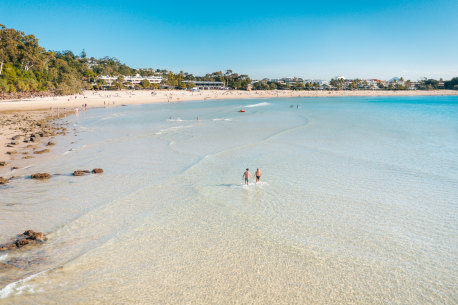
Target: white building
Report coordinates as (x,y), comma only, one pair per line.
(130,80)
(206,85)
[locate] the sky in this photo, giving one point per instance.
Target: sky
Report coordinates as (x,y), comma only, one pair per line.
(273,39)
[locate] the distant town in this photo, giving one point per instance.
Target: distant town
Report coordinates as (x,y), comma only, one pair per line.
(217,81)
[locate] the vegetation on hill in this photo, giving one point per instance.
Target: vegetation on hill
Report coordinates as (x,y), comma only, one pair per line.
(26,67)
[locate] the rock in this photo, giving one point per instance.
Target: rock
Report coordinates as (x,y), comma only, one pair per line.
(4,266)
(39,236)
(26,238)
(50,143)
(14,167)
(41,176)
(41,151)
(80,172)
(16,137)
(28,157)
(3,163)
(3,180)
(9,145)
(97,171)
(22,242)
(11,152)
(34,139)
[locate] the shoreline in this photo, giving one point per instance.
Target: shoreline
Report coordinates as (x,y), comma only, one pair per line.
(22,118)
(98,98)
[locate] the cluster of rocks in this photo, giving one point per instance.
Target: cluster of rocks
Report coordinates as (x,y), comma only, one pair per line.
(86,172)
(29,237)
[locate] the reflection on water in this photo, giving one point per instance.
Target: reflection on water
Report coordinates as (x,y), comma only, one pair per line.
(357,204)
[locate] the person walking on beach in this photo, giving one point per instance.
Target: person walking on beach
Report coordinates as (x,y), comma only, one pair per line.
(246,175)
(258,175)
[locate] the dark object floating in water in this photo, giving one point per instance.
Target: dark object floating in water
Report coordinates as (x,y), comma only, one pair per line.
(4,180)
(124,105)
(29,237)
(41,176)
(241,110)
(97,171)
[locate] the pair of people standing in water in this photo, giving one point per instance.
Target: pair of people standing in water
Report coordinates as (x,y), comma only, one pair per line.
(247,175)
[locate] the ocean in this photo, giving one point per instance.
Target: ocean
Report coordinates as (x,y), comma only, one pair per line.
(357,204)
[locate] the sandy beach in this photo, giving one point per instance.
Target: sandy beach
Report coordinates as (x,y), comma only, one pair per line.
(100,98)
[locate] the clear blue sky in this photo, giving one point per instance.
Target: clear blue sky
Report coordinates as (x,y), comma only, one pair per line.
(311,39)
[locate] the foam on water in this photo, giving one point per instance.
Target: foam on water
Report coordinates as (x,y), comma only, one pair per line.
(257,105)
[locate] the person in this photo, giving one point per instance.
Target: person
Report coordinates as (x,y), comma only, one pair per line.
(258,175)
(246,175)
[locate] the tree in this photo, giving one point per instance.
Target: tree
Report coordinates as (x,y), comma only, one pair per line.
(451,84)
(145,84)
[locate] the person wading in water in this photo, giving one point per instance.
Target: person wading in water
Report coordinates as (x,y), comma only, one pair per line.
(246,175)
(258,175)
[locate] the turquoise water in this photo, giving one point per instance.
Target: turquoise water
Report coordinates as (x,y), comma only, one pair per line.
(357,204)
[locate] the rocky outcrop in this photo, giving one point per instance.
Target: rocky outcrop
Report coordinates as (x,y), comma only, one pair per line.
(4,180)
(29,237)
(97,171)
(40,176)
(80,172)
(3,163)
(50,143)
(38,152)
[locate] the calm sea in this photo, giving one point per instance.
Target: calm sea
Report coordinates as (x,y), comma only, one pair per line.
(358,204)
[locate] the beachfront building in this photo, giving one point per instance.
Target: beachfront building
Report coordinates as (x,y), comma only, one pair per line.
(134,80)
(129,81)
(206,85)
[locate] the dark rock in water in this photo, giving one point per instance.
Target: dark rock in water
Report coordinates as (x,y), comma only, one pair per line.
(34,139)
(11,152)
(9,145)
(97,171)
(28,157)
(16,137)
(41,176)
(22,242)
(80,172)
(29,237)
(3,163)
(50,143)
(3,180)
(4,266)
(39,236)
(41,151)
(15,167)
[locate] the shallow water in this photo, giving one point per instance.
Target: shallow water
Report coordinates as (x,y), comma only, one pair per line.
(358,204)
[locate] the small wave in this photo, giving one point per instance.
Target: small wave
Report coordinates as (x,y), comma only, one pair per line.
(222,119)
(257,105)
(3,257)
(19,286)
